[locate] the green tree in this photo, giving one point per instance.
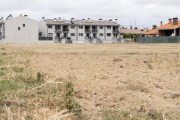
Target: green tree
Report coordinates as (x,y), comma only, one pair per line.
(131,27)
(154,26)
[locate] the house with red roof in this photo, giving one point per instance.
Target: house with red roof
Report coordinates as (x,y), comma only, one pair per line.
(153,32)
(170,29)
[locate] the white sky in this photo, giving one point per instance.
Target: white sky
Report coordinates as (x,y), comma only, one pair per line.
(144,12)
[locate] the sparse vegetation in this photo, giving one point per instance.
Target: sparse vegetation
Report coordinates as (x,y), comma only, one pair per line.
(136,115)
(133,53)
(75,82)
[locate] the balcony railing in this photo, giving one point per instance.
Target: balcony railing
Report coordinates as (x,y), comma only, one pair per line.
(58,30)
(45,38)
(94,30)
(115,30)
(65,30)
(87,30)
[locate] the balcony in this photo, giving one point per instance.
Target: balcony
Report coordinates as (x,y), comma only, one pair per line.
(58,30)
(94,30)
(87,30)
(116,31)
(65,30)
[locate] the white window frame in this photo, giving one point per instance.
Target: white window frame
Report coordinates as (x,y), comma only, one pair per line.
(108,33)
(100,27)
(109,27)
(80,27)
(50,34)
(81,34)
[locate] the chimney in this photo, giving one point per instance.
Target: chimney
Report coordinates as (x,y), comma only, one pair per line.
(115,20)
(59,19)
(110,20)
(20,14)
(1,18)
(100,20)
(83,20)
(136,28)
(175,21)
(10,16)
(161,23)
(88,19)
(170,20)
(43,18)
(25,15)
(55,19)
(72,19)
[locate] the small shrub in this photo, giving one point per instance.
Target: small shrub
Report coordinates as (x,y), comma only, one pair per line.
(116,60)
(69,101)
(40,77)
(121,66)
(17,69)
(1,59)
(133,53)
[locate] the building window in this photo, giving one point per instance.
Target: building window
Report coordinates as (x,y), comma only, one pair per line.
(80,27)
(72,27)
(100,27)
(80,34)
(108,27)
(50,26)
(72,34)
(108,34)
(50,34)
(101,34)
(23,25)
(19,28)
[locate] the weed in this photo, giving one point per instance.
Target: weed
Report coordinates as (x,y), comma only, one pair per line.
(69,101)
(133,115)
(133,53)
(40,77)
(1,59)
(116,60)
(121,66)
(18,69)
(9,87)
(148,64)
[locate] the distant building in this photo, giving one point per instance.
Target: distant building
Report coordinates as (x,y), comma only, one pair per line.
(21,30)
(2,29)
(170,29)
(140,32)
(80,31)
(151,33)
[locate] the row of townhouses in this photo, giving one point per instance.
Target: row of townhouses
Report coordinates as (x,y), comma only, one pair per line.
(22,29)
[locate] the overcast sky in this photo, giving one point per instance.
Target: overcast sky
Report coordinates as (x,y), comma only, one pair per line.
(144,12)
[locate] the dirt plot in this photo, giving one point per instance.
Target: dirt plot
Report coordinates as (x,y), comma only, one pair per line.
(117,77)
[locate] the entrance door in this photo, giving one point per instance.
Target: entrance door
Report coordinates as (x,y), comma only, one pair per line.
(94,35)
(58,35)
(87,35)
(65,35)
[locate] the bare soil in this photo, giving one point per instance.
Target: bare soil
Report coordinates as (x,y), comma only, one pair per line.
(110,76)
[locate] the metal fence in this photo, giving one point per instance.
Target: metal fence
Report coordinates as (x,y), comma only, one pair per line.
(163,39)
(45,38)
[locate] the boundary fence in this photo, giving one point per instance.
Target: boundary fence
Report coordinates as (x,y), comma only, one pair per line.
(163,39)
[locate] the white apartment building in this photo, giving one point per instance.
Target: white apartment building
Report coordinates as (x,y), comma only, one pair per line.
(79,31)
(21,30)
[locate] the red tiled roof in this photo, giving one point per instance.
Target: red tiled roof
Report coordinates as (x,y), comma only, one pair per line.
(133,31)
(169,26)
(154,31)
